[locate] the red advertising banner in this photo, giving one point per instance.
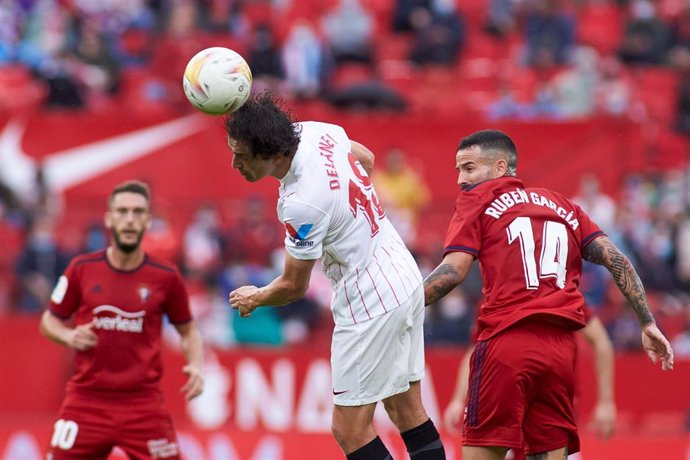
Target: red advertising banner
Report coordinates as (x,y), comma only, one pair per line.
(265,404)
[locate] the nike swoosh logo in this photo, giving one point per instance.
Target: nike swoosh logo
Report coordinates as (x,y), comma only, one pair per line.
(66,168)
(336,393)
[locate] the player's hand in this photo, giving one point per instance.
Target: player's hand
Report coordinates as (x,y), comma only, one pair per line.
(604,419)
(657,346)
(453,416)
(195,382)
(244,300)
(82,337)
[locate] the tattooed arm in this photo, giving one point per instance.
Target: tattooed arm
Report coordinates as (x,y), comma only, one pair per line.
(446,276)
(602,251)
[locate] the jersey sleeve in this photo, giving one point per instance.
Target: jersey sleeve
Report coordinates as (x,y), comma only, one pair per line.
(66,295)
(588,313)
(588,229)
(177,303)
(305,229)
(464,232)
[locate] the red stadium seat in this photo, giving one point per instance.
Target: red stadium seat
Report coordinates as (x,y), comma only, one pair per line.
(600,25)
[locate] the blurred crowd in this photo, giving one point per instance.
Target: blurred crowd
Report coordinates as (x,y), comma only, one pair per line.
(520,59)
(507,59)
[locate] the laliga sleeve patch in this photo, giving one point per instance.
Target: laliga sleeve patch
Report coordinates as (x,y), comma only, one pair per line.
(60,290)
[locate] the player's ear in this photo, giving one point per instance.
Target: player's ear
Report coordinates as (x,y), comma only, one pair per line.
(107,220)
(500,167)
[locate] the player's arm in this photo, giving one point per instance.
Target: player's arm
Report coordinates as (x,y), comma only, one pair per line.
(291,285)
(363,155)
(80,338)
(602,251)
(605,410)
(450,272)
(453,415)
(193,350)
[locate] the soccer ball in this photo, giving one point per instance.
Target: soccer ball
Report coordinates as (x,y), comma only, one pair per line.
(217,81)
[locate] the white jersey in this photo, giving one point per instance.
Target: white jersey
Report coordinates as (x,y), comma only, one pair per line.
(330,210)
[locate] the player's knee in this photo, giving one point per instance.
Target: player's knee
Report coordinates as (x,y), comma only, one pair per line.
(405,416)
(338,433)
(350,436)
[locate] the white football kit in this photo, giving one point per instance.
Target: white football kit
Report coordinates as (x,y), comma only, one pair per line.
(330,211)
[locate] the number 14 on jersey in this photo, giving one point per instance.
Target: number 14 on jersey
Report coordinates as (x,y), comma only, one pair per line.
(554,251)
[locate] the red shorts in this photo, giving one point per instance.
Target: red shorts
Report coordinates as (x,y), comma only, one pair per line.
(521,390)
(89,428)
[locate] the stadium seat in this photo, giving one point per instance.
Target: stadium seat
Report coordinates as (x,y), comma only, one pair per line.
(600,25)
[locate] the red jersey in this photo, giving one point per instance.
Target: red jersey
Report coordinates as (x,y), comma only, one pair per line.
(127,308)
(529,242)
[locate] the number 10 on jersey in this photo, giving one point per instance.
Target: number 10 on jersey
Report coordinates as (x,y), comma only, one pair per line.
(360,200)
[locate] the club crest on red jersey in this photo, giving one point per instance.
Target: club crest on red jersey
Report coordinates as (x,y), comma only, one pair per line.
(144,293)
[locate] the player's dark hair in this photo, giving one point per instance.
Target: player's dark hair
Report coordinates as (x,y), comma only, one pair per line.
(493,140)
(131,186)
(265,126)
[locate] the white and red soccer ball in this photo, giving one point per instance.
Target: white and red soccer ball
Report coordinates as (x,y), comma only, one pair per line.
(217,81)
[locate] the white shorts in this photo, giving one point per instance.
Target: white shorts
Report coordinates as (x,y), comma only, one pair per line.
(373,360)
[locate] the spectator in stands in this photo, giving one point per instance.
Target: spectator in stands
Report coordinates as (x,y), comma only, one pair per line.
(265,326)
(253,237)
(263,56)
(39,265)
(11,209)
(361,88)
(306,62)
(203,242)
(209,307)
(682,64)
(299,318)
(682,252)
(549,33)
(439,33)
(402,14)
(348,29)
(597,204)
(681,342)
(645,40)
(595,279)
(223,16)
(180,40)
(614,91)
(93,64)
(576,87)
(43,46)
(448,321)
(403,191)
(95,238)
(501,17)
(12,18)
(680,29)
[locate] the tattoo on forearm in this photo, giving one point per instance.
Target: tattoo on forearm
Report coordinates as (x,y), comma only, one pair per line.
(440,282)
(603,252)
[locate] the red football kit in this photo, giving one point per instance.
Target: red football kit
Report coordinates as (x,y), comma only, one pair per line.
(113,398)
(529,242)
